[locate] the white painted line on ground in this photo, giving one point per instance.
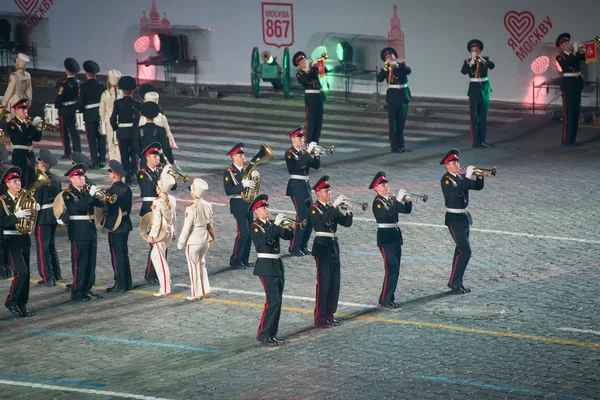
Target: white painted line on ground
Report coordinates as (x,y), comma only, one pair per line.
(579,330)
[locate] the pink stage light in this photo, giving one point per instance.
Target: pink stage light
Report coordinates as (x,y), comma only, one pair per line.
(156,41)
(142,44)
(540,65)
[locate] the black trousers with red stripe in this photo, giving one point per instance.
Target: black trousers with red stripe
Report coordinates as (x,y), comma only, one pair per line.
(96,141)
(462,253)
(572,110)
(17,255)
(119,256)
(129,158)
(47,256)
(479,106)
(301,236)
(391,261)
(69,132)
(241,249)
(397,113)
(269,322)
(314,116)
(328,287)
(83,259)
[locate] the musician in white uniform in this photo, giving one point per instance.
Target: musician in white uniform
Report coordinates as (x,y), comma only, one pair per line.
(107,102)
(19,85)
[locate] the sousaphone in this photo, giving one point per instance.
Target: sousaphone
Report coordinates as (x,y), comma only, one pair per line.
(146,227)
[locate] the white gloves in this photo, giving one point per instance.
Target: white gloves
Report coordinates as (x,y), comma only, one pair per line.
(38,207)
(179,247)
(59,221)
(248,183)
(311,147)
(93,190)
(23,214)
(37,122)
(255,173)
(401,194)
(575,45)
(470,170)
(341,199)
(279,219)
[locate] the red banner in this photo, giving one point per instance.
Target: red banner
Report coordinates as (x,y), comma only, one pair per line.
(321,66)
(590,53)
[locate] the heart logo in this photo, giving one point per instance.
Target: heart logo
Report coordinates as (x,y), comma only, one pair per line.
(519,24)
(26,6)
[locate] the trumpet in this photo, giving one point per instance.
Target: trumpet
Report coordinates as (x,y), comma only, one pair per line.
(290,223)
(581,46)
(310,63)
(176,174)
(482,172)
(103,195)
(389,65)
(415,198)
(45,126)
(478,59)
(323,151)
(348,204)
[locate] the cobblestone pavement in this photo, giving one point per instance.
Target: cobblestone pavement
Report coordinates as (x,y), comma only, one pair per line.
(530,329)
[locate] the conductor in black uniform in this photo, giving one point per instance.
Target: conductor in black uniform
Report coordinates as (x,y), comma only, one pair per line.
(234,184)
(45,228)
(269,267)
(397,97)
(89,105)
(386,208)
(17,245)
(455,188)
(124,121)
(571,85)
(314,97)
(326,250)
(80,202)
(150,133)
(22,135)
(66,104)
(299,161)
(118,235)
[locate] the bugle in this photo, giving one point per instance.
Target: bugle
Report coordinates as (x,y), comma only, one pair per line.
(176,174)
(103,195)
(415,198)
(323,151)
(44,126)
(290,223)
(482,172)
(348,204)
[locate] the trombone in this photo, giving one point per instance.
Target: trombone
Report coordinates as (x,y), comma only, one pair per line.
(482,172)
(109,198)
(348,204)
(290,223)
(176,174)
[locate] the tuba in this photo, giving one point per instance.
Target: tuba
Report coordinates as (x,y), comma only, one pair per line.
(26,201)
(264,154)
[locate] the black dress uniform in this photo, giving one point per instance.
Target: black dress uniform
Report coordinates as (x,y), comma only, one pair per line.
(314,97)
(151,133)
(22,136)
(124,121)
(479,94)
(571,85)
(66,104)
(389,238)
(458,219)
(82,234)
(17,247)
(299,162)
(5,271)
(232,181)
(45,228)
(118,238)
(89,105)
(269,267)
(326,250)
(397,98)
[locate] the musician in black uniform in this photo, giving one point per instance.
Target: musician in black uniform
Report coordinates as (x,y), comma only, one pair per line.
(118,236)
(235,184)
(16,244)
(80,201)
(479,92)
(386,208)
(326,250)
(150,133)
(22,135)
(66,104)
(124,121)
(45,228)
(299,162)
(5,271)
(89,105)
(397,97)
(314,97)
(571,85)
(455,188)
(269,267)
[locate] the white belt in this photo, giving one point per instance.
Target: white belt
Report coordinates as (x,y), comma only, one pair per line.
(268,255)
(126,125)
(21,147)
(45,206)
(325,234)
(456,210)
(68,103)
(479,79)
(404,85)
(388,225)
(237,196)
(197,228)
(313,91)
(571,74)
(148,198)
(13,233)
(95,105)
(300,177)
(81,217)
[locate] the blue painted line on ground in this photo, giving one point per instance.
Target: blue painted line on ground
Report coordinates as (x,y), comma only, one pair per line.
(54,380)
(436,260)
(126,341)
(503,388)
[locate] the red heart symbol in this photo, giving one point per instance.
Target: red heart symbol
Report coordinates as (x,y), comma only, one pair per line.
(519,24)
(26,6)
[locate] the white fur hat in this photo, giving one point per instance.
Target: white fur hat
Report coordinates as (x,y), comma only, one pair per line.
(199,187)
(113,77)
(151,96)
(22,60)
(165,182)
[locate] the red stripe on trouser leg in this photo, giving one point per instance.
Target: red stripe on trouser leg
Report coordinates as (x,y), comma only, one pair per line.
(237,238)
(191,267)
(297,227)
(62,133)
(385,278)
(318,292)
(162,263)
(41,254)
(16,274)
(113,259)
(455,261)
(264,313)
(75,266)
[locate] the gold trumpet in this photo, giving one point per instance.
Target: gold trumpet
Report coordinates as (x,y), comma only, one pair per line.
(45,126)
(103,195)
(478,59)
(176,174)
(482,172)
(323,57)
(581,46)
(290,223)
(388,66)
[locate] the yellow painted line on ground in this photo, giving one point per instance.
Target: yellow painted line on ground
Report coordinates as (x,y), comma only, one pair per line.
(379,319)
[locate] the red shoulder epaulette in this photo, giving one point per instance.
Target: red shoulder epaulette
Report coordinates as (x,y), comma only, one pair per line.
(229,169)
(143,169)
(316,204)
(2,197)
(255,222)
(68,190)
(191,204)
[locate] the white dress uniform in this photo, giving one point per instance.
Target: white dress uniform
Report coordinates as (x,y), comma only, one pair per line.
(160,120)
(194,238)
(19,85)
(107,103)
(163,209)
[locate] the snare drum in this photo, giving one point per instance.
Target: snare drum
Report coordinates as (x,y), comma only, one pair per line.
(51,117)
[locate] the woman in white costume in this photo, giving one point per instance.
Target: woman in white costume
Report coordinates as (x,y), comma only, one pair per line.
(107,102)
(160,120)
(19,85)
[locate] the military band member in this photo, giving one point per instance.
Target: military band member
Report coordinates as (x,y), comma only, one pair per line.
(150,133)
(89,104)
(118,236)
(479,91)
(386,208)
(299,162)
(161,119)
(196,236)
(5,271)
(314,97)
(397,97)
(22,135)
(326,250)
(80,201)
(163,210)
(107,104)
(45,228)
(269,267)
(19,85)
(456,188)
(66,104)
(124,121)
(235,184)
(571,85)
(16,244)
